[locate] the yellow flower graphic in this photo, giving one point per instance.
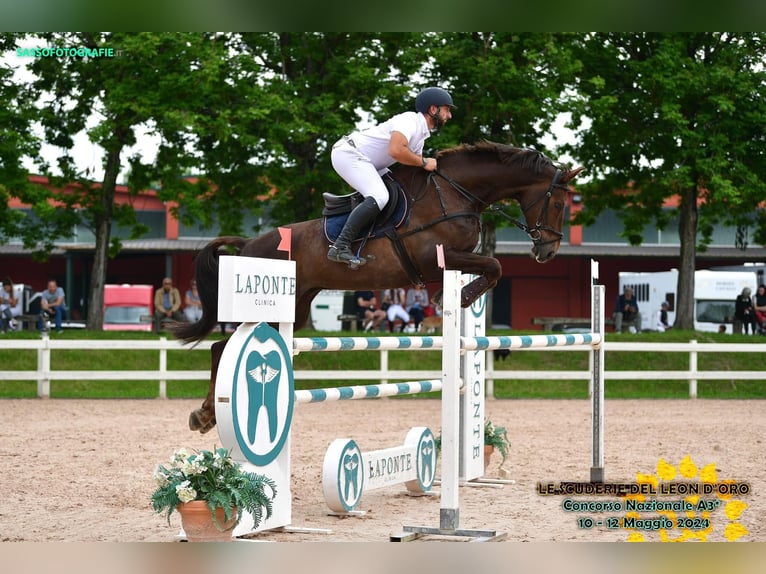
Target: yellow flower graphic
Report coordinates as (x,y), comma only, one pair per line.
(702,515)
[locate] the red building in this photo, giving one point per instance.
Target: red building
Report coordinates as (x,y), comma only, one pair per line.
(526,290)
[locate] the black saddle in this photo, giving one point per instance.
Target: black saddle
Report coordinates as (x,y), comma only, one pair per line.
(342,204)
(337,208)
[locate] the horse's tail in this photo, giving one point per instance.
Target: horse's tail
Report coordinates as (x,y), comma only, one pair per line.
(206,274)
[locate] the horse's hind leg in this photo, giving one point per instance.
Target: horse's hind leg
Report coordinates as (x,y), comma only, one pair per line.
(203,419)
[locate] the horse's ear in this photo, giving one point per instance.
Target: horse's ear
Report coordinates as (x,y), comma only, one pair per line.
(571,174)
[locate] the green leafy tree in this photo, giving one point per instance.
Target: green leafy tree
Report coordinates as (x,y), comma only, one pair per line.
(318,87)
(676,115)
(507,87)
(166,83)
(17,141)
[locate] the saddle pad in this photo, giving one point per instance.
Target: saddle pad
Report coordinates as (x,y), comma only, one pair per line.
(333,224)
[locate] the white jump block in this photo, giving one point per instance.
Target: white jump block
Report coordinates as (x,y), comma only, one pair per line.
(347,472)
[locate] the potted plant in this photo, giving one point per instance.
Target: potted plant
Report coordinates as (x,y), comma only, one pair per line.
(210,485)
(495,437)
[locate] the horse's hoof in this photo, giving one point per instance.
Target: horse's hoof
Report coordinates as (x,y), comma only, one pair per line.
(201,421)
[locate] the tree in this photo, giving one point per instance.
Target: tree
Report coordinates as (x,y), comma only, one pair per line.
(160,81)
(17,141)
(673,115)
(507,87)
(319,86)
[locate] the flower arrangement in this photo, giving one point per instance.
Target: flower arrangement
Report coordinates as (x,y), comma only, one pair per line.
(494,436)
(212,476)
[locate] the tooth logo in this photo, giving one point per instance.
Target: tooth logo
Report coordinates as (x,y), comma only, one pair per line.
(425,460)
(350,478)
(262,395)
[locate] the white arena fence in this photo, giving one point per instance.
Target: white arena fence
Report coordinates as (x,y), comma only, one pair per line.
(46,346)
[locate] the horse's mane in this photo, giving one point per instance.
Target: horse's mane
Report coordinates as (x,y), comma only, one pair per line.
(522,157)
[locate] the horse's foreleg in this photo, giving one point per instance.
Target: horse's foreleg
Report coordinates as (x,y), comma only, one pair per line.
(488,270)
(203,419)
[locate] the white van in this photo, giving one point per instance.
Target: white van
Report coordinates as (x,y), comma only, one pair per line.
(714,296)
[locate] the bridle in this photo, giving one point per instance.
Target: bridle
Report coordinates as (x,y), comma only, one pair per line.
(534,233)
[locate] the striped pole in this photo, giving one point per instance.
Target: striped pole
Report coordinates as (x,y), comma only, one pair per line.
(367,391)
(529,341)
(365,343)
(466,343)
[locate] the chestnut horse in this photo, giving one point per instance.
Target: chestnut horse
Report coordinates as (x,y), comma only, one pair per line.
(446,209)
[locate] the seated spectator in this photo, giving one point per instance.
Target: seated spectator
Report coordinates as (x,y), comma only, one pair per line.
(192,303)
(368,311)
(662,317)
(9,306)
(167,304)
(393,301)
(626,312)
(52,306)
(744,313)
(416,304)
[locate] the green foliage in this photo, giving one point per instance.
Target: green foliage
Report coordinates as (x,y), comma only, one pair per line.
(494,436)
(497,437)
(214,477)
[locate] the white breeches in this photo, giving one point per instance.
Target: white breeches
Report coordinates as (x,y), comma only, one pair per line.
(395,311)
(359,172)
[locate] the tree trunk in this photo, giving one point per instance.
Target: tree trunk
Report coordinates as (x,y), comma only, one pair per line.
(103,224)
(687,232)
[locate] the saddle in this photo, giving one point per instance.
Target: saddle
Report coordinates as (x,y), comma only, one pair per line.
(337,208)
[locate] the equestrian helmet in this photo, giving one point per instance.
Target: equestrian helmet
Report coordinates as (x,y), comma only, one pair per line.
(432,97)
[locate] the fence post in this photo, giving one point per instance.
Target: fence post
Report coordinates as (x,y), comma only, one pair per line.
(44,368)
(489,382)
(383,364)
(693,371)
(163,369)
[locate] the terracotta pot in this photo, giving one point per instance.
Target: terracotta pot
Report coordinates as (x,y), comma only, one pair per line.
(199,526)
(488,450)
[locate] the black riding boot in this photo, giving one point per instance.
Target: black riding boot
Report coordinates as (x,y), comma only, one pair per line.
(363,214)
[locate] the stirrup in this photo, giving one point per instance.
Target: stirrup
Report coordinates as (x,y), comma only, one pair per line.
(345,256)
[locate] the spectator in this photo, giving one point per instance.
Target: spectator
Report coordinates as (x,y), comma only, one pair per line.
(744,313)
(662,317)
(393,300)
(416,304)
(192,303)
(759,305)
(367,310)
(52,305)
(7,306)
(626,312)
(167,304)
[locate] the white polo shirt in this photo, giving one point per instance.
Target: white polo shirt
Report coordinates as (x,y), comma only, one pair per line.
(373,142)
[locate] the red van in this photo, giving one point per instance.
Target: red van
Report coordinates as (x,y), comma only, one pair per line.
(128,307)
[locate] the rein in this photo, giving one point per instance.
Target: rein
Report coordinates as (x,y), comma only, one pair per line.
(534,233)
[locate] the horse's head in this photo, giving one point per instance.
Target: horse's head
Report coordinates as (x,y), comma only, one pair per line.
(491,172)
(544,213)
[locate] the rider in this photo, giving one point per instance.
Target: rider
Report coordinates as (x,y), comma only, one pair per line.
(363,156)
